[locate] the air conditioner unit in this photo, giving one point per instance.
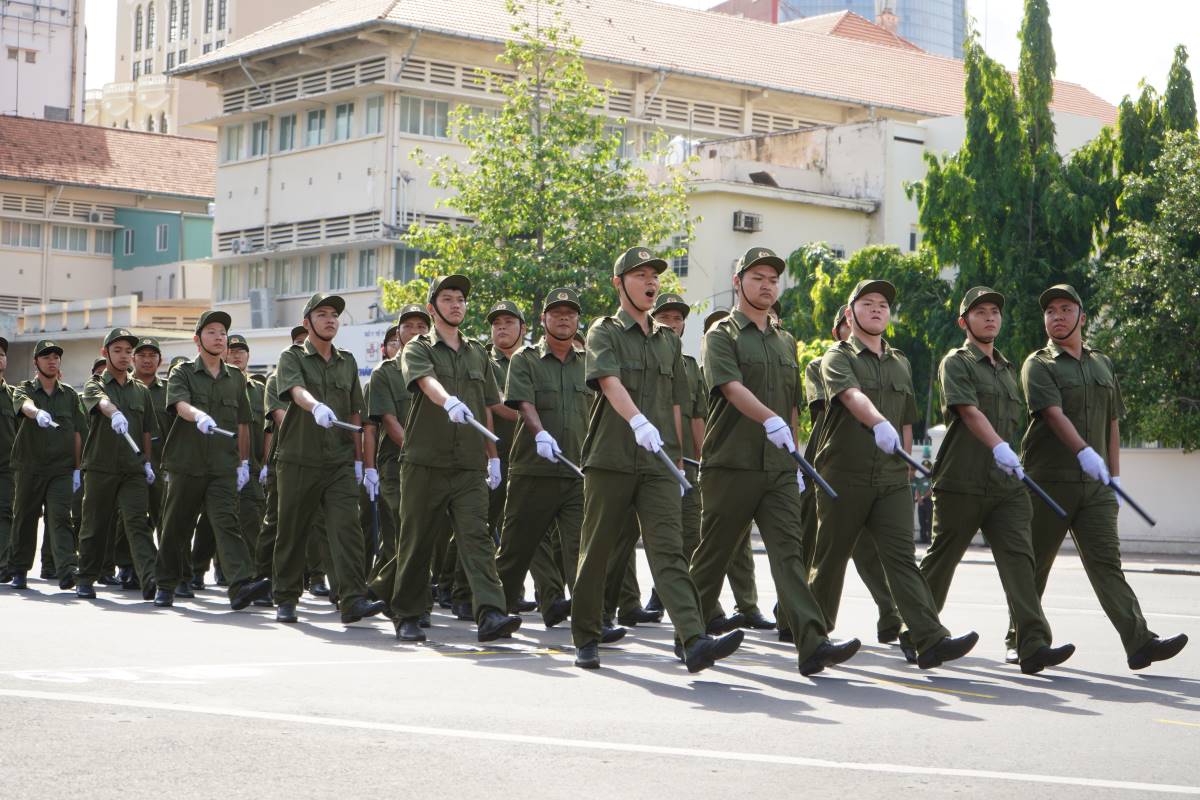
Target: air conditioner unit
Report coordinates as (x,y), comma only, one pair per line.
(262,308)
(94,216)
(747,222)
(242,245)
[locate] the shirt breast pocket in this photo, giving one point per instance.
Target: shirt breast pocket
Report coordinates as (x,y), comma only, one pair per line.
(633,375)
(1074,395)
(227,413)
(898,399)
(546,396)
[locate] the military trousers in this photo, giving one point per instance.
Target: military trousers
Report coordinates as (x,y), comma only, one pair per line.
(733,498)
(33,494)
(608,496)
(128,496)
(389,516)
(6,515)
(252,506)
(331,491)
(884,513)
(551,566)
(188,496)
(1092,522)
(317,552)
(534,505)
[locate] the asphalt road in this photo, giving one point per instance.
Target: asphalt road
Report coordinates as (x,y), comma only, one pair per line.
(114,698)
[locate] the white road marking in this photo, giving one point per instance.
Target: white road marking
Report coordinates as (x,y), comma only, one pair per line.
(622,747)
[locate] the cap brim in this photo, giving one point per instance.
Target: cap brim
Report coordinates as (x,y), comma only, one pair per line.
(460,282)
(395,329)
(558,303)
(773,261)
(1050,295)
(497,312)
(682,308)
(987,297)
(334,301)
(299,329)
(660,266)
(44,351)
(218,316)
(884,288)
(153,347)
(422,314)
(133,340)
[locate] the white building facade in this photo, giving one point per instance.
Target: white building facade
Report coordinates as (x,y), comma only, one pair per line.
(42,44)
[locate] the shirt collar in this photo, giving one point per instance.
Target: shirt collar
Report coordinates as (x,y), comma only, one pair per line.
(981,356)
(859,346)
(435,337)
(1058,350)
(743,322)
(309,350)
(108,376)
(198,366)
(543,348)
(628,322)
(37,386)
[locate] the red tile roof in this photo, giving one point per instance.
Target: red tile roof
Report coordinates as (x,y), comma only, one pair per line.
(849,25)
(106,158)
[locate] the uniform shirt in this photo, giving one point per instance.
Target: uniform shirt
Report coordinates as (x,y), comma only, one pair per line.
(104,450)
(432,439)
(255,392)
(162,422)
(8,425)
(47,451)
(764,361)
(224,398)
(561,395)
(814,395)
(696,406)
(501,427)
(387,394)
(1086,390)
(650,368)
(847,447)
(300,439)
(968,378)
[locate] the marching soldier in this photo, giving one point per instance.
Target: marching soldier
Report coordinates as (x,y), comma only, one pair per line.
(636,366)
(116,478)
(381,448)
(251,499)
(1072,448)
(868,386)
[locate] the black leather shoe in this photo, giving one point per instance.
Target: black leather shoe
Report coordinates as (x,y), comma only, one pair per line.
(1046,656)
(610,635)
(679,651)
(425,620)
(184,590)
(754,620)
(286,613)
(559,610)
(197,583)
(6,575)
(445,596)
(84,591)
(639,614)
(409,630)
(706,651)
(149,590)
(525,606)
(463,611)
(828,654)
(719,625)
(495,625)
(785,635)
(362,607)
(264,602)
(109,580)
(1157,650)
(655,602)
(67,581)
(318,588)
(249,592)
(124,576)
(910,653)
(164,598)
(947,649)
(588,656)
(889,635)
(19,580)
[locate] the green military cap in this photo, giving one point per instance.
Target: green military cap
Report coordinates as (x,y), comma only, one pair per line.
(296,331)
(636,257)
(460,282)
(4,345)
(319,299)
(176,361)
(839,317)
(120,334)
(867,286)
(977,295)
(212,315)
(672,302)
(713,317)
(237,340)
(46,346)
(505,307)
(147,342)
(1063,291)
(413,310)
(564,296)
(759,255)
(99,362)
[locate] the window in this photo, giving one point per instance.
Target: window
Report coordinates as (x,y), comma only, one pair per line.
(257,275)
(128,243)
(160,238)
(173,21)
(337,271)
(287,132)
(206,49)
(281,275)
(374,120)
(137,29)
(30,56)
(424,117)
(185,14)
(220,43)
(150,123)
(13,53)
(679,264)
(208,16)
(232,150)
(343,121)
(231,280)
(148,66)
(183,57)
(103,243)
(68,237)
(221,9)
(367,267)
(137,70)
(150,22)
(21,234)
(170,61)
(405,268)
(309,265)
(314,132)
(258,138)
(162,122)
(476,118)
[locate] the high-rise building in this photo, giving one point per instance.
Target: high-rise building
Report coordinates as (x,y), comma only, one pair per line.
(42,46)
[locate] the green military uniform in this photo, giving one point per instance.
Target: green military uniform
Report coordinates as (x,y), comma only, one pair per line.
(620,475)
(203,469)
(541,494)
(872,486)
(388,395)
(252,498)
(316,469)
(1087,391)
(43,460)
(8,432)
(158,399)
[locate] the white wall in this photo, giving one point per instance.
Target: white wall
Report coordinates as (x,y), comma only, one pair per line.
(53,31)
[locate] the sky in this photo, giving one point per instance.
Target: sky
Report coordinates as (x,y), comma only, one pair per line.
(1106,45)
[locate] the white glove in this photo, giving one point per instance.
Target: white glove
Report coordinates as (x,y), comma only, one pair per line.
(243,475)
(323,415)
(457,409)
(493,478)
(779,434)
(547,447)
(800,479)
(1007,460)
(262,475)
(371,481)
(76,479)
(120,425)
(205,423)
(358,472)
(1091,463)
(645,434)
(43,418)
(149,470)
(1116,480)
(886,438)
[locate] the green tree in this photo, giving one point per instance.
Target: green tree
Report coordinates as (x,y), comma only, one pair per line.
(1179,103)
(551,195)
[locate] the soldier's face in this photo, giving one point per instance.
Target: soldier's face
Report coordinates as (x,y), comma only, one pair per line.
(212,338)
(451,305)
(120,355)
(3,361)
(506,331)
(760,285)
(48,364)
(641,285)
(561,322)
(146,361)
(873,313)
(324,322)
(672,319)
(411,328)
(391,346)
(983,321)
(1061,315)
(237,357)
(300,339)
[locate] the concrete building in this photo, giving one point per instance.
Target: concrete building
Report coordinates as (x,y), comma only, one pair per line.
(154,37)
(43,47)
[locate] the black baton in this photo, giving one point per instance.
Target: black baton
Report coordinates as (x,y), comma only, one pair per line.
(1040,492)
(349,426)
(1132,503)
(811,471)
(375,523)
(912,462)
